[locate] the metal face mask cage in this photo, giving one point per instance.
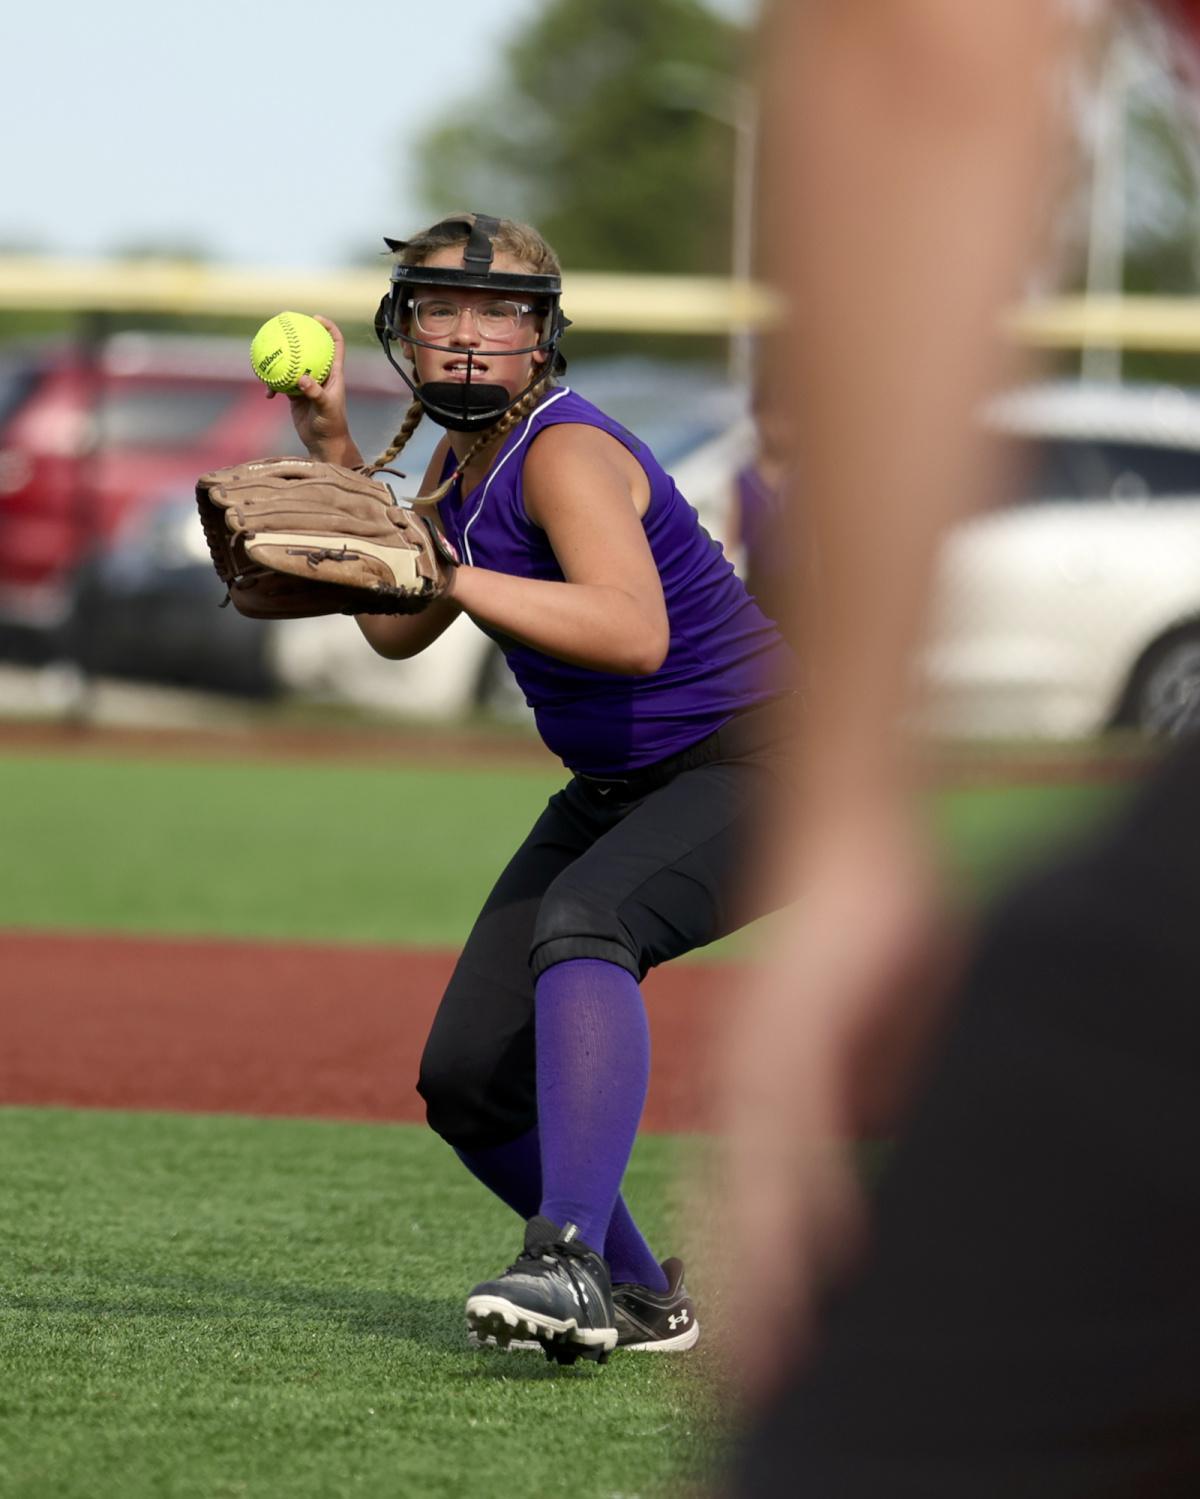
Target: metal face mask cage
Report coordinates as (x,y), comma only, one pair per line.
(469,405)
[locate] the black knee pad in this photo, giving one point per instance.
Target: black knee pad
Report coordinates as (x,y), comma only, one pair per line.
(475,1095)
(573,924)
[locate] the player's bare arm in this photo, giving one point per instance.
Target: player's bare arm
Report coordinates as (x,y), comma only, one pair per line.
(399,637)
(588,494)
(948,176)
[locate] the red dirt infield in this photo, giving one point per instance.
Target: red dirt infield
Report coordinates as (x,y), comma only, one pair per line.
(306,1030)
(314,1030)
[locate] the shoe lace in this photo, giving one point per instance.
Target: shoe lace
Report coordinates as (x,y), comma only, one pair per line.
(570,1260)
(547,1252)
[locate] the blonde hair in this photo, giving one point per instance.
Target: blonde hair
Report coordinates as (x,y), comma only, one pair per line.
(523,243)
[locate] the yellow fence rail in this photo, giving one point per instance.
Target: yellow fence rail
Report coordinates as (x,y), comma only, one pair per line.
(596,301)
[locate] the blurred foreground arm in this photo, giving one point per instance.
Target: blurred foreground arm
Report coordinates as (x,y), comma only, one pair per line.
(907,150)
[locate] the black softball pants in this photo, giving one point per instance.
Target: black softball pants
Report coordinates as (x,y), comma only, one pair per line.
(634,871)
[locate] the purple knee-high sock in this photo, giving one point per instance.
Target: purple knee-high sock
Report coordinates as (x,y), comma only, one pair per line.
(629,1257)
(513,1171)
(593,1065)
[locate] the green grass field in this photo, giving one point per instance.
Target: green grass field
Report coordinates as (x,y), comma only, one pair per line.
(344,853)
(196,1306)
(224,1307)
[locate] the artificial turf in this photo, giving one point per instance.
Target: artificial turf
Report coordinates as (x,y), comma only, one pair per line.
(202,1306)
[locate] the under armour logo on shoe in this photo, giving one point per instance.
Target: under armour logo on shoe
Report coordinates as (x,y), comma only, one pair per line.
(681,1321)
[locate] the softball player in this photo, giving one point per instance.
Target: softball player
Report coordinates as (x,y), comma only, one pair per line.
(658,681)
(755,524)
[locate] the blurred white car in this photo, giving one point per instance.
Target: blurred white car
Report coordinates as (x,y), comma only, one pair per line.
(1075,607)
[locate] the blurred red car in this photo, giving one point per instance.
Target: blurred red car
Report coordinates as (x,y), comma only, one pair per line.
(89,441)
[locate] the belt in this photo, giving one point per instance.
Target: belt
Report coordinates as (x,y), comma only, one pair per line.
(745,733)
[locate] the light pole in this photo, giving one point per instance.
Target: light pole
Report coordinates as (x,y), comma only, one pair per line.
(734,103)
(1106,239)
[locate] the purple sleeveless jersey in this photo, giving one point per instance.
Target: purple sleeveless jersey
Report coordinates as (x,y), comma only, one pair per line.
(724,656)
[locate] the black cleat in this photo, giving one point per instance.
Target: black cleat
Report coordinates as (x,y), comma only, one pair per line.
(656,1321)
(557,1292)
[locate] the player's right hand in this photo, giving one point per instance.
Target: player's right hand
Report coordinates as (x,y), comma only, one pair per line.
(319,411)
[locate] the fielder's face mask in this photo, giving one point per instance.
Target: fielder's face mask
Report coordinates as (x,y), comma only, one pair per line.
(469,405)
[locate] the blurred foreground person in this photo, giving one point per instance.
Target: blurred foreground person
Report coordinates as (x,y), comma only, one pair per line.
(1019,1315)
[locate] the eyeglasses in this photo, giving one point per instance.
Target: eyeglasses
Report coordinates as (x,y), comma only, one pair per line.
(437,317)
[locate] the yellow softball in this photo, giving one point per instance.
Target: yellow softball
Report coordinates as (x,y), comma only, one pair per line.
(288,346)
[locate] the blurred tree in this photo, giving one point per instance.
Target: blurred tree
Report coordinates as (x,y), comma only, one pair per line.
(1162,205)
(163,247)
(612,129)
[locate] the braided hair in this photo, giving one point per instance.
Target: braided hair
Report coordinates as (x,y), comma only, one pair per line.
(525,244)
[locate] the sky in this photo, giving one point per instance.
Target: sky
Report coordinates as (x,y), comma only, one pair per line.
(263,135)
